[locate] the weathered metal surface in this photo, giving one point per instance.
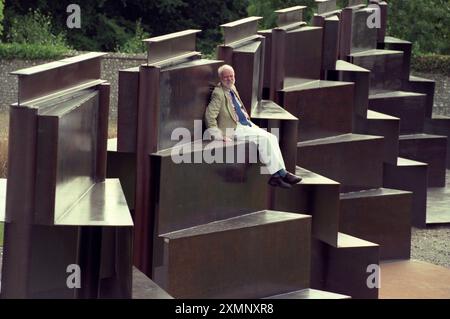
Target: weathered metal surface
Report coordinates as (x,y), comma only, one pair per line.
(303,53)
(410,176)
(39,81)
(408,106)
(123,166)
(57,156)
(171,46)
(332,271)
(66,158)
(430,149)
(197,255)
(312,100)
(240,29)
(167,101)
(391,43)
(206,201)
(345,35)
(438,212)
(348,72)
(248,63)
(381,216)
(440,125)
(127,110)
(425,86)
(182,101)
(363,37)
(267,63)
(386,68)
(383,125)
(289,15)
(330,45)
(383,7)
(145,288)
(333,157)
(103,205)
(319,197)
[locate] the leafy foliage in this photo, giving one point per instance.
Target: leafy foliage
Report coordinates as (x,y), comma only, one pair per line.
(266,8)
(135,44)
(32,51)
(425,23)
(34,28)
(2,5)
(431,63)
(32,36)
(108,25)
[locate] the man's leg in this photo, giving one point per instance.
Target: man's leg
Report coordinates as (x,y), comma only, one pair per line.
(270,154)
(268,147)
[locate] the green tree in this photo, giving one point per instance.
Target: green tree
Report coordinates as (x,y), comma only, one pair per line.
(424,22)
(108,24)
(2,5)
(266,9)
(32,36)
(34,28)
(135,44)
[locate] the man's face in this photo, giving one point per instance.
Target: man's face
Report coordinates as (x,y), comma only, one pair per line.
(227,78)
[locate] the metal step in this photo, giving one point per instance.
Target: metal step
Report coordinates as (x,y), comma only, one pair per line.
(316,195)
(382,216)
(427,148)
(410,176)
(354,160)
(410,107)
(251,256)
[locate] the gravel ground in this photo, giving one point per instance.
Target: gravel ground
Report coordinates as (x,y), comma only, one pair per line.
(431,245)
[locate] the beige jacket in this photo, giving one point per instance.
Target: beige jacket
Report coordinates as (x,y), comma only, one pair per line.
(220,113)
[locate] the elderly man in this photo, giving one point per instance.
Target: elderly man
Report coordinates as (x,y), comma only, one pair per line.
(226,119)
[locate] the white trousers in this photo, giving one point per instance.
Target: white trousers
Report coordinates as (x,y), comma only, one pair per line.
(268,147)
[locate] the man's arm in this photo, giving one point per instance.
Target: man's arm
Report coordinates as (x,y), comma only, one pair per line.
(211,114)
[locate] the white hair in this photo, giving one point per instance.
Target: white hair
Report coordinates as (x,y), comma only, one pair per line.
(223,68)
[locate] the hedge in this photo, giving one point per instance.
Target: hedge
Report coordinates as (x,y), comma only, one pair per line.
(431,63)
(32,51)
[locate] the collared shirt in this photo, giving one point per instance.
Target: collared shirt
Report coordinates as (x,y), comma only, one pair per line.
(238,109)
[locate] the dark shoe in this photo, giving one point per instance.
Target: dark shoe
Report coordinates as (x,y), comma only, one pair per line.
(291,178)
(278,181)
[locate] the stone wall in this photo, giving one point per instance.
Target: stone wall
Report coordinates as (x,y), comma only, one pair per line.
(441,93)
(111,64)
(114,62)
